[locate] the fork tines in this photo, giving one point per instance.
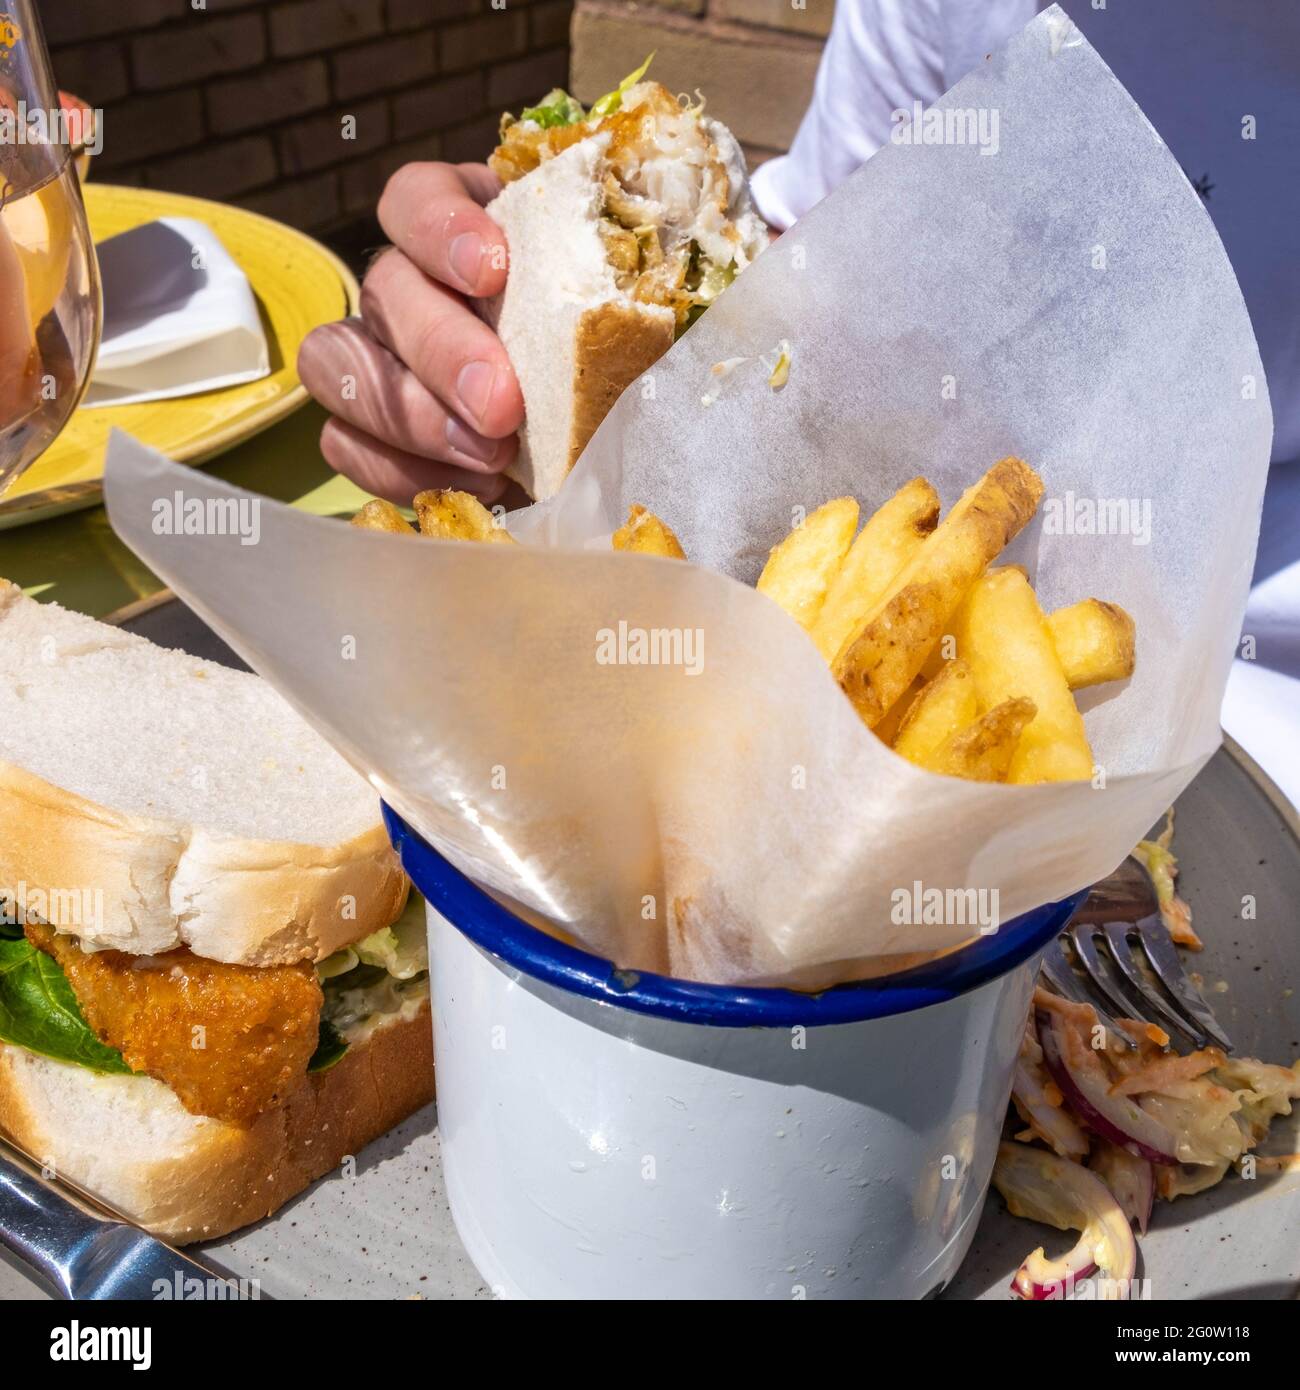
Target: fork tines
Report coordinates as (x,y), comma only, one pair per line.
(1135,969)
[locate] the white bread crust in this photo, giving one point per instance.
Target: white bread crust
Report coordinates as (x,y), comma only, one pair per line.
(130,1142)
(560,300)
(159,886)
(145,883)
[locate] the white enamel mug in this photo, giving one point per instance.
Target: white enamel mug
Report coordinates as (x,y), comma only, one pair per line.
(613,1135)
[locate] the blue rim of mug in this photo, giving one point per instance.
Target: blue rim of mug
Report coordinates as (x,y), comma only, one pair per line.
(496,930)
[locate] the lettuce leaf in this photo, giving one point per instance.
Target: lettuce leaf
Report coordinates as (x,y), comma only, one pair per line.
(355,978)
(611,101)
(337,964)
(39,1012)
(556,108)
(401,949)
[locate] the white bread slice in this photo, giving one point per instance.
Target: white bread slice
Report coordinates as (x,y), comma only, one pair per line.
(130,1142)
(186,801)
(576,340)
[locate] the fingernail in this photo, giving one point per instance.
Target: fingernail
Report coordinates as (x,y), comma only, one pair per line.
(474,387)
(466,255)
(472,445)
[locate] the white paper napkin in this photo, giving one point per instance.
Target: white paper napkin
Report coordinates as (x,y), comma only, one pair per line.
(179,316)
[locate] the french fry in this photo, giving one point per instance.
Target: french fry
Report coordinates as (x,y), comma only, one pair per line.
(945,706)
(1003,635)
(378,515)
(880,661)
(458,516)
(644,532)
(799,570)
(887,730)
(888,540)
(985,749)
(1095,642)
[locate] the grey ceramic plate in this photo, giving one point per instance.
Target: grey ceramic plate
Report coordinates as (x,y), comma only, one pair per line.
(386,1232)
(1235,836)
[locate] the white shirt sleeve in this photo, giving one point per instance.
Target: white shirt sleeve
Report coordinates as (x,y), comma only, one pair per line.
(882,55)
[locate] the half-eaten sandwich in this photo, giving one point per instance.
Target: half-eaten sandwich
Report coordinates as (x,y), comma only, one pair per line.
(624,223)
(209,991)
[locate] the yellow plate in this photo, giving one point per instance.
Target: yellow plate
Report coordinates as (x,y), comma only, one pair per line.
(299,285)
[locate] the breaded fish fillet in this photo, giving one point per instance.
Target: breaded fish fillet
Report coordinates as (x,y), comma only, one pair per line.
(228,1039)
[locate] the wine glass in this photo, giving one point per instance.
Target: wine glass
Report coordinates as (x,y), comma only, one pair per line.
(50,308)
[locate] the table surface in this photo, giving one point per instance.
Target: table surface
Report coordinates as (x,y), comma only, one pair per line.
(77,561)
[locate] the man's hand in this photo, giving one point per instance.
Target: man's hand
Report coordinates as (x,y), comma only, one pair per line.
(420,388)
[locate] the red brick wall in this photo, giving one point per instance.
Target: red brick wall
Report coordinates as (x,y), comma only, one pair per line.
(245,100)
(754,60)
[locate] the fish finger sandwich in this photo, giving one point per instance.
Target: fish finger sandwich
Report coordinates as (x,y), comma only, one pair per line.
(210,991)
(624,223)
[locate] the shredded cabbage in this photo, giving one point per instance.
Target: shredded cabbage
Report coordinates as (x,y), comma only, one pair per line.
(1158,860)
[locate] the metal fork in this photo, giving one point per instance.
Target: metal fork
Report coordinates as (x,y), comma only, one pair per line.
(1117,952)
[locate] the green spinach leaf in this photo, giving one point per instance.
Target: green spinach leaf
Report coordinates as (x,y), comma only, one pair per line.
(39,1012)
(330,1048)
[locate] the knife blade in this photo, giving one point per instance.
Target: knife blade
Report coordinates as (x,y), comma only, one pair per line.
(76,1247)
